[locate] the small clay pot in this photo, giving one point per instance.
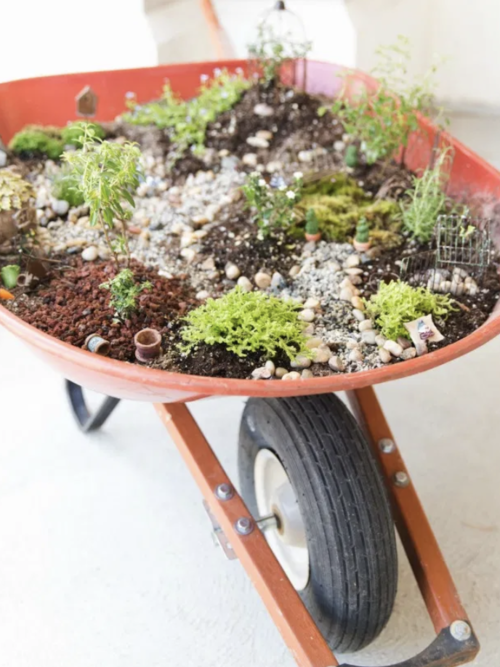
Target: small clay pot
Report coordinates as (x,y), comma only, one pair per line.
(147,345)
(94,343)
(361,247)
(313,237)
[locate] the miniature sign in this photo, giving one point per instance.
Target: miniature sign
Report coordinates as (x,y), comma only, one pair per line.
(86,102)
(421,331)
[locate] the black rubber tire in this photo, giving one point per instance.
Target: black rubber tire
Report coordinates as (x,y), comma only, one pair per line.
(344,505)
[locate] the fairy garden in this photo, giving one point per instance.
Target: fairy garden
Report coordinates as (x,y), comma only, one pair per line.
(253,231)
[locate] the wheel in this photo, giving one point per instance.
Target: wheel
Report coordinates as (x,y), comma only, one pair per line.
(305,461)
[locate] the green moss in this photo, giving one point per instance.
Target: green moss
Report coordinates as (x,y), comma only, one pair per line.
(15,192)
(397,303)
(66,186)
(339,204)
(35,141)
(246,322)
(72,133)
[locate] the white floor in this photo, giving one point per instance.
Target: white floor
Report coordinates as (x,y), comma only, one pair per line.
(106,557)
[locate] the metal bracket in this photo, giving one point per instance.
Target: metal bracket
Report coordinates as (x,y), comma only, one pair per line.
(219,535)
(86,421)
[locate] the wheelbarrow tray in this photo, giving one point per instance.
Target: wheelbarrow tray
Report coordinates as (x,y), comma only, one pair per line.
(51,101)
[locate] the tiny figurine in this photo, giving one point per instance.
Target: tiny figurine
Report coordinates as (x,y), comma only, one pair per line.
(94,343)
(147,345)
(422,330)
(362,241)
(312,226)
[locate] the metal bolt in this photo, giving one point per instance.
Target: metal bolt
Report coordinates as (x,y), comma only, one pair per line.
(387,445)
(270,521)
(401,479)
(461,631)
(224,491)
(244,525)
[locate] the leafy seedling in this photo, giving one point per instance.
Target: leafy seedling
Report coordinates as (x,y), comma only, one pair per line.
(124,292)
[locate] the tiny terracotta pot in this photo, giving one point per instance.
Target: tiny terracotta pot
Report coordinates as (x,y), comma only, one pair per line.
(313,237)
(96,344)
(147,345)
(361,247)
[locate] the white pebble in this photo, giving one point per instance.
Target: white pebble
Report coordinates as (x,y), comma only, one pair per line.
(365,325)
(380,340)
(301,361)
(358,315)
(245,284)
(272,167)
(311,343)
(369,337)
(312,303)
(257,142)
(409,353)
(262,280)
(202,295)
(264,134)
(261,374)
(263,110)
(356,355)
(280,372)
(270,367)
(306,374)
(385,356)
(309,330)
(305,156)
(250,159)
(321,355)
(90,254)
(307,315)
(394,348)
(60,206)
(336,364)
(232,271)
(346,294)
(294,271)
(293,375)
(357,303)
(352,261)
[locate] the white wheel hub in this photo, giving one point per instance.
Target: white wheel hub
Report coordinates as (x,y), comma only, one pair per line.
(275,495)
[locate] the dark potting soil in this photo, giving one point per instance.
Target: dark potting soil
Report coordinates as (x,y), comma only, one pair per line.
(70,306)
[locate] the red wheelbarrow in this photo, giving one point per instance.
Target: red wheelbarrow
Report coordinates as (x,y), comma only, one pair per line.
(321,487)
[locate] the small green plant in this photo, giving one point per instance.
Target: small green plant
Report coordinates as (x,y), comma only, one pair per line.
(10,274)
(124,292)
(246,322)
(397,303)
(312,222)
(35,141)
(427,200)
(274,206)
(362,231)
(107,173)
(383,120)
(66,185)
(271,51)
(72,133)
(15,192)
(187,122)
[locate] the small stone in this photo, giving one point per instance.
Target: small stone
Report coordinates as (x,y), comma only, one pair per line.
(277,281)
(472,289)
(356,355)
(188,254)
(305,156)
(60,206)
(336,364)
(263,110)
(312,303)
(90,254)
(365,325)
(309,330)
(354,273)
(245,284)
(369,337)
(394,348)
(312,343)
(294,271)
(264,134)
(346,283)
(457,289)
(223,152)
(444,287)
(358,315)
(208,264)
(301,361)
(250,159)
(3,158)
(261,374)
(104,253)
(270,367)
(352,344)
(280,372)
(357,303)
(404,342)
(257,142)
(307,315)
(321,355)
(306,374)
(232,271)
(351,262)
(339,146)
(380,340)
(262,280)
(409,353)
(273,167)
(346,294)
(293,375)
(202,295)
(385,356)
(200,220)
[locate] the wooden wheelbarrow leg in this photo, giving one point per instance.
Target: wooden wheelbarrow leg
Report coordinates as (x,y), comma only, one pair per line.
(282,601)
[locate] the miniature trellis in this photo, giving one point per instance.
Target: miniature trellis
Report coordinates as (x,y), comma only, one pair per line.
(462,252)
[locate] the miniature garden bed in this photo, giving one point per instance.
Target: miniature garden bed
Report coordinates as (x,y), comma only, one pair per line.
(192,237)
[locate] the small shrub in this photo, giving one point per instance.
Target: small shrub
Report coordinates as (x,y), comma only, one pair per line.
(362,231)
(312,223)
(106,173)
(72,133)
(271,51)
(124,292)
(274,206)
(66,185)
(397,302)
(10,274)
(36,141)
(246,322)
(15,192)
(426,201)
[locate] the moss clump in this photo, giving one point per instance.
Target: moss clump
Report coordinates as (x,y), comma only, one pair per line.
(72,133)
(397,303)
(15,192)
(246,322)
(66,186)
(35,141)
(339,204)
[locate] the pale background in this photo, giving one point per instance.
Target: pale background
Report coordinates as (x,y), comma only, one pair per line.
(106,557)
